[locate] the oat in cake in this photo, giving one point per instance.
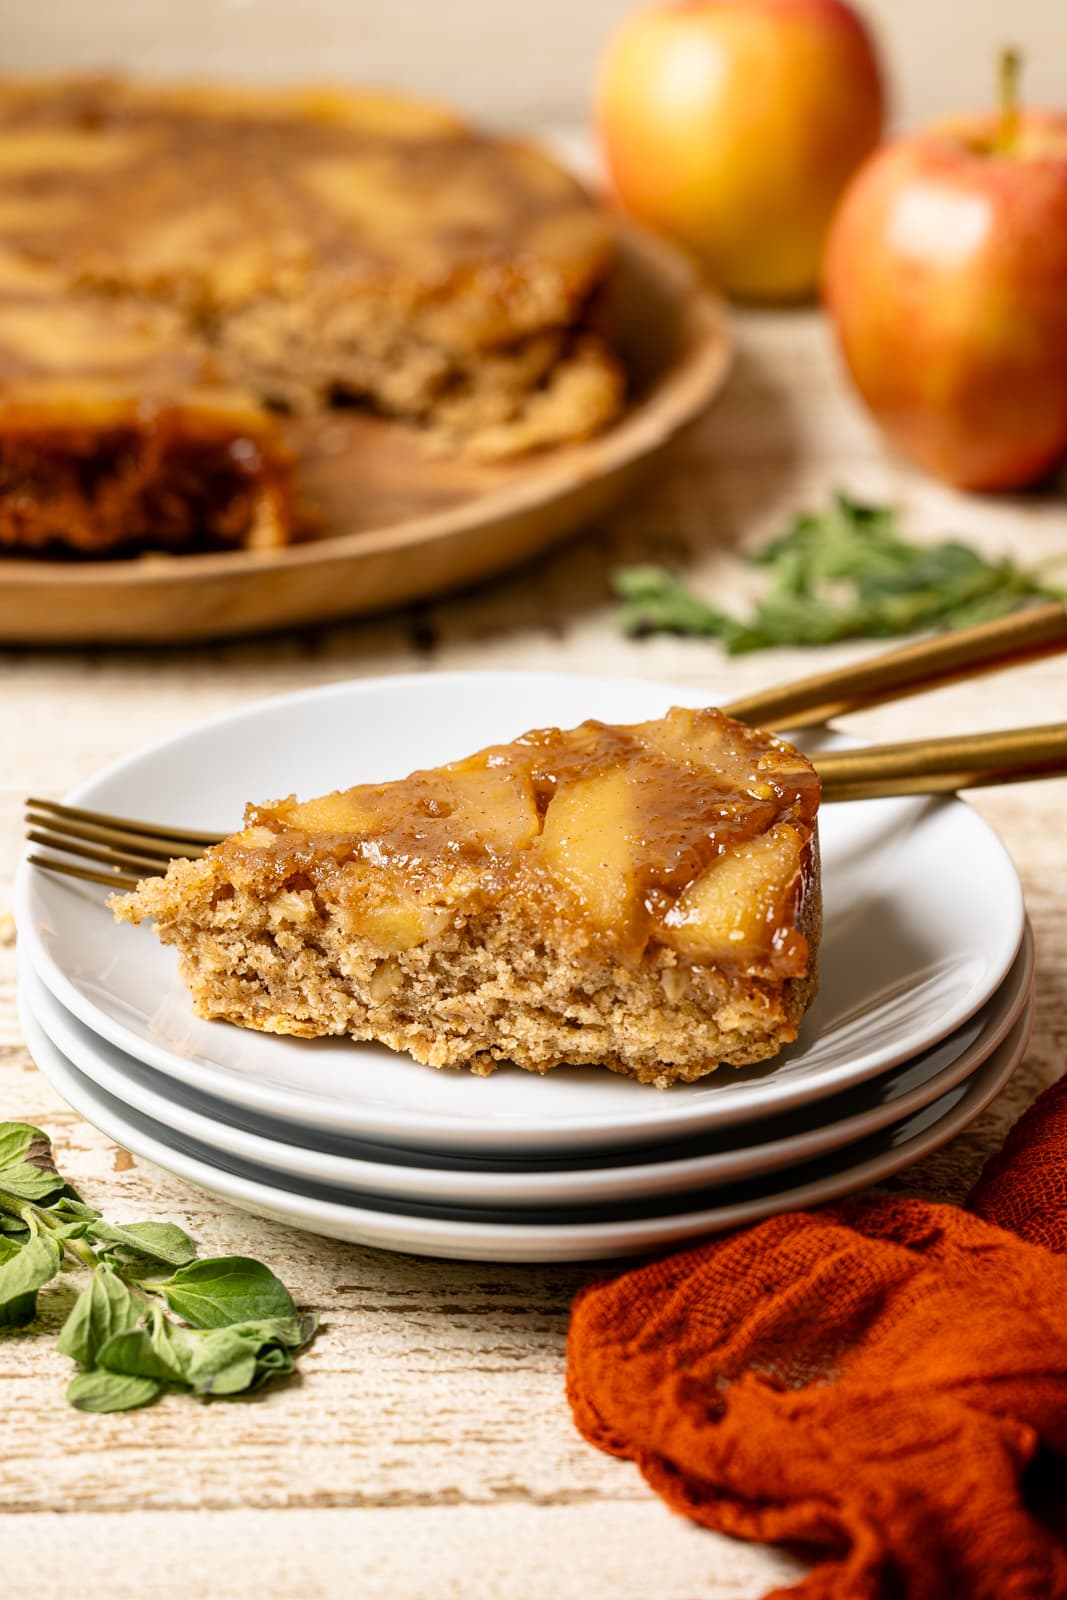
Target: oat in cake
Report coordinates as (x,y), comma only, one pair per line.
(643,898)
(293,250)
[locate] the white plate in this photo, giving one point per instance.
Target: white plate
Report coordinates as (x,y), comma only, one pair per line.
(923,918)
(727,1157)
(488,1236)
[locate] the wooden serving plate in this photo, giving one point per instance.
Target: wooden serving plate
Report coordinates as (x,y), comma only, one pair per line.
(404,523)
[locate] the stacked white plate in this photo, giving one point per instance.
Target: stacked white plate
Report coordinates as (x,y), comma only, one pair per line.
(924,1012)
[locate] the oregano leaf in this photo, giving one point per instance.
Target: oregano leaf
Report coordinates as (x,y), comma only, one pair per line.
(219,1361)
(31,1266)
(842,573)
(111,1391)
(240,1326)
(27,1167)
(134,1354)
(73,1209)
(227,1361)
(144,1248)
(292,1332)
(226,1289)
(169,1340)
(104,1308)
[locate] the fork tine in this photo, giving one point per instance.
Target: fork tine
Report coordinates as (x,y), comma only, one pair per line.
(147,866)
(152,830)
(67,869)
(142,844)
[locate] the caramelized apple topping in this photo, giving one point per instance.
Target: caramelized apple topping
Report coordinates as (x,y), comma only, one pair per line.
(693,832)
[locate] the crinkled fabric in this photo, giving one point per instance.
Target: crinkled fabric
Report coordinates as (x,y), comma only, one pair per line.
(880,1384)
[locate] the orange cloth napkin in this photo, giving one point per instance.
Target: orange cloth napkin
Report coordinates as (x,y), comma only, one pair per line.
(881,1384)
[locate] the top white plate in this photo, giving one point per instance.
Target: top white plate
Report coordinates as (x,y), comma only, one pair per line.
(923,917)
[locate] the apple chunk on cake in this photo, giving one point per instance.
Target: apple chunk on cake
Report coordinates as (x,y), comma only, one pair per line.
(642,898)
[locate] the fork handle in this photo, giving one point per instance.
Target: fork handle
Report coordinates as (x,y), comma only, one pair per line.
(1023,635)
(1029,749)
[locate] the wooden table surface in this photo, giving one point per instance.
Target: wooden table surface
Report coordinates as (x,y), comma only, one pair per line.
(426,1451)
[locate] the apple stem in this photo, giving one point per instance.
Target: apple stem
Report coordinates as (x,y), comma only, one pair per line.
(1009,65)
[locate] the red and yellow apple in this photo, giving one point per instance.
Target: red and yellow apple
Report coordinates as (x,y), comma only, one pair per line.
(732,126)
(946,277)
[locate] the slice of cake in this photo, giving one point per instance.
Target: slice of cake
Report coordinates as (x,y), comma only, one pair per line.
(117,433)
(291,250)
(91,472)
(643,898)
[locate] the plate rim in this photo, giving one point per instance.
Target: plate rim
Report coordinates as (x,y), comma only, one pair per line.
(524,1184)
(537,1242)
(445,1131)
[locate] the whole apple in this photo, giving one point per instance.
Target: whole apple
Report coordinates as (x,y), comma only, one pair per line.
(946,277)
(732,127)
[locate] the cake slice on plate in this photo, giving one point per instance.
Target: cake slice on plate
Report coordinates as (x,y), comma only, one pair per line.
(643,898)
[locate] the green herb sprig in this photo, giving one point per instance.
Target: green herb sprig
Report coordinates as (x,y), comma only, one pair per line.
(844,573)
(152,1316)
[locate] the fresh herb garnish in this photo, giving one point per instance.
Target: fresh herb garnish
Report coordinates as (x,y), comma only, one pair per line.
(844,573)
(238,1325)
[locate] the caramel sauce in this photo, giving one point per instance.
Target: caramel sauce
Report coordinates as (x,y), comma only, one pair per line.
(617,827)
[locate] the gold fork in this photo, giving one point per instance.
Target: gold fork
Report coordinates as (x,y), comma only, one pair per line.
(129,849)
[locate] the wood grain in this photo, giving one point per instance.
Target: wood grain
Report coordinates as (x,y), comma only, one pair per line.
(427,1450)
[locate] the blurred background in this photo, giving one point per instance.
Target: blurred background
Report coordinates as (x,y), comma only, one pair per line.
(514,62)
(942,281)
